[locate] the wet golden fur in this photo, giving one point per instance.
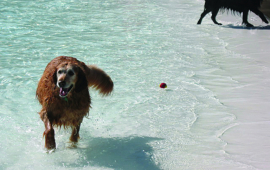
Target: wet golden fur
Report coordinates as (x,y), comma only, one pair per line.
(71,109)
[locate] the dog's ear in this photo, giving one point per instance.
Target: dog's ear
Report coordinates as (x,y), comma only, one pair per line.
(81,81)
(54,77)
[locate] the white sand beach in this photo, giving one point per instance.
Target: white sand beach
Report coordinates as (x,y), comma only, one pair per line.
(249,140)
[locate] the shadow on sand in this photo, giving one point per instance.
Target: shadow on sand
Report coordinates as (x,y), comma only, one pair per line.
(130,153)
(248,28)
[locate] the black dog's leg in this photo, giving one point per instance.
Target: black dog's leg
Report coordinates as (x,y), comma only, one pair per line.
(260,14)
(245,19)
(206,11)
(214,14)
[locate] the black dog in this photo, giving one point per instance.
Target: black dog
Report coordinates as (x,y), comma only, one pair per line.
(241,6)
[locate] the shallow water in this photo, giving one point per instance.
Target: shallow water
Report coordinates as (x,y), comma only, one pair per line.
(139,44)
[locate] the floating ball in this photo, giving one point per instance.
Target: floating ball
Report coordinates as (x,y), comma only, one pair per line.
(163,85)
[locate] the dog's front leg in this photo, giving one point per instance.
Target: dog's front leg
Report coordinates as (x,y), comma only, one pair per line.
(214,15)
(49,135)
(245,18)
(75,133)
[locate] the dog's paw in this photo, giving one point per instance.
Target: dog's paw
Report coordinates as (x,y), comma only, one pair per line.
(249,25)
(72,145)
(49,151)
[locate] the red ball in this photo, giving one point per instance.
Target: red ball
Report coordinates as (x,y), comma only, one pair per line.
(163,85)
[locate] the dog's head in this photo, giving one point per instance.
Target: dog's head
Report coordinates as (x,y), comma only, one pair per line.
(69,77)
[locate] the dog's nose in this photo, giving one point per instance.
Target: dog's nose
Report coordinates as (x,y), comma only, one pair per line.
(62,84)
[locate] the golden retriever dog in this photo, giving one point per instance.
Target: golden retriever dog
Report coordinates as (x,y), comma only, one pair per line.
(63,93)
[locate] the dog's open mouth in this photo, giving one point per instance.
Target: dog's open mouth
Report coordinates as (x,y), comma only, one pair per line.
(64,91)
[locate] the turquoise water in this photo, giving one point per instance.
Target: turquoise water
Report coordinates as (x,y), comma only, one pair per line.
(139,43)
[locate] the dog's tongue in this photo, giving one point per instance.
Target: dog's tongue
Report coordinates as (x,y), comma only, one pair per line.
(63,92)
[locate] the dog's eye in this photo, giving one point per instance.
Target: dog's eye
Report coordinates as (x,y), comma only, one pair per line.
(60,71)
(70,73)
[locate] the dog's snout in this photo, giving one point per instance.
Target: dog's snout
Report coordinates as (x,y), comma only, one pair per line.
(62,84)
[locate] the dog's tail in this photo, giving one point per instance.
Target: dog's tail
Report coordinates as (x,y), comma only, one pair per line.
(99,80)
